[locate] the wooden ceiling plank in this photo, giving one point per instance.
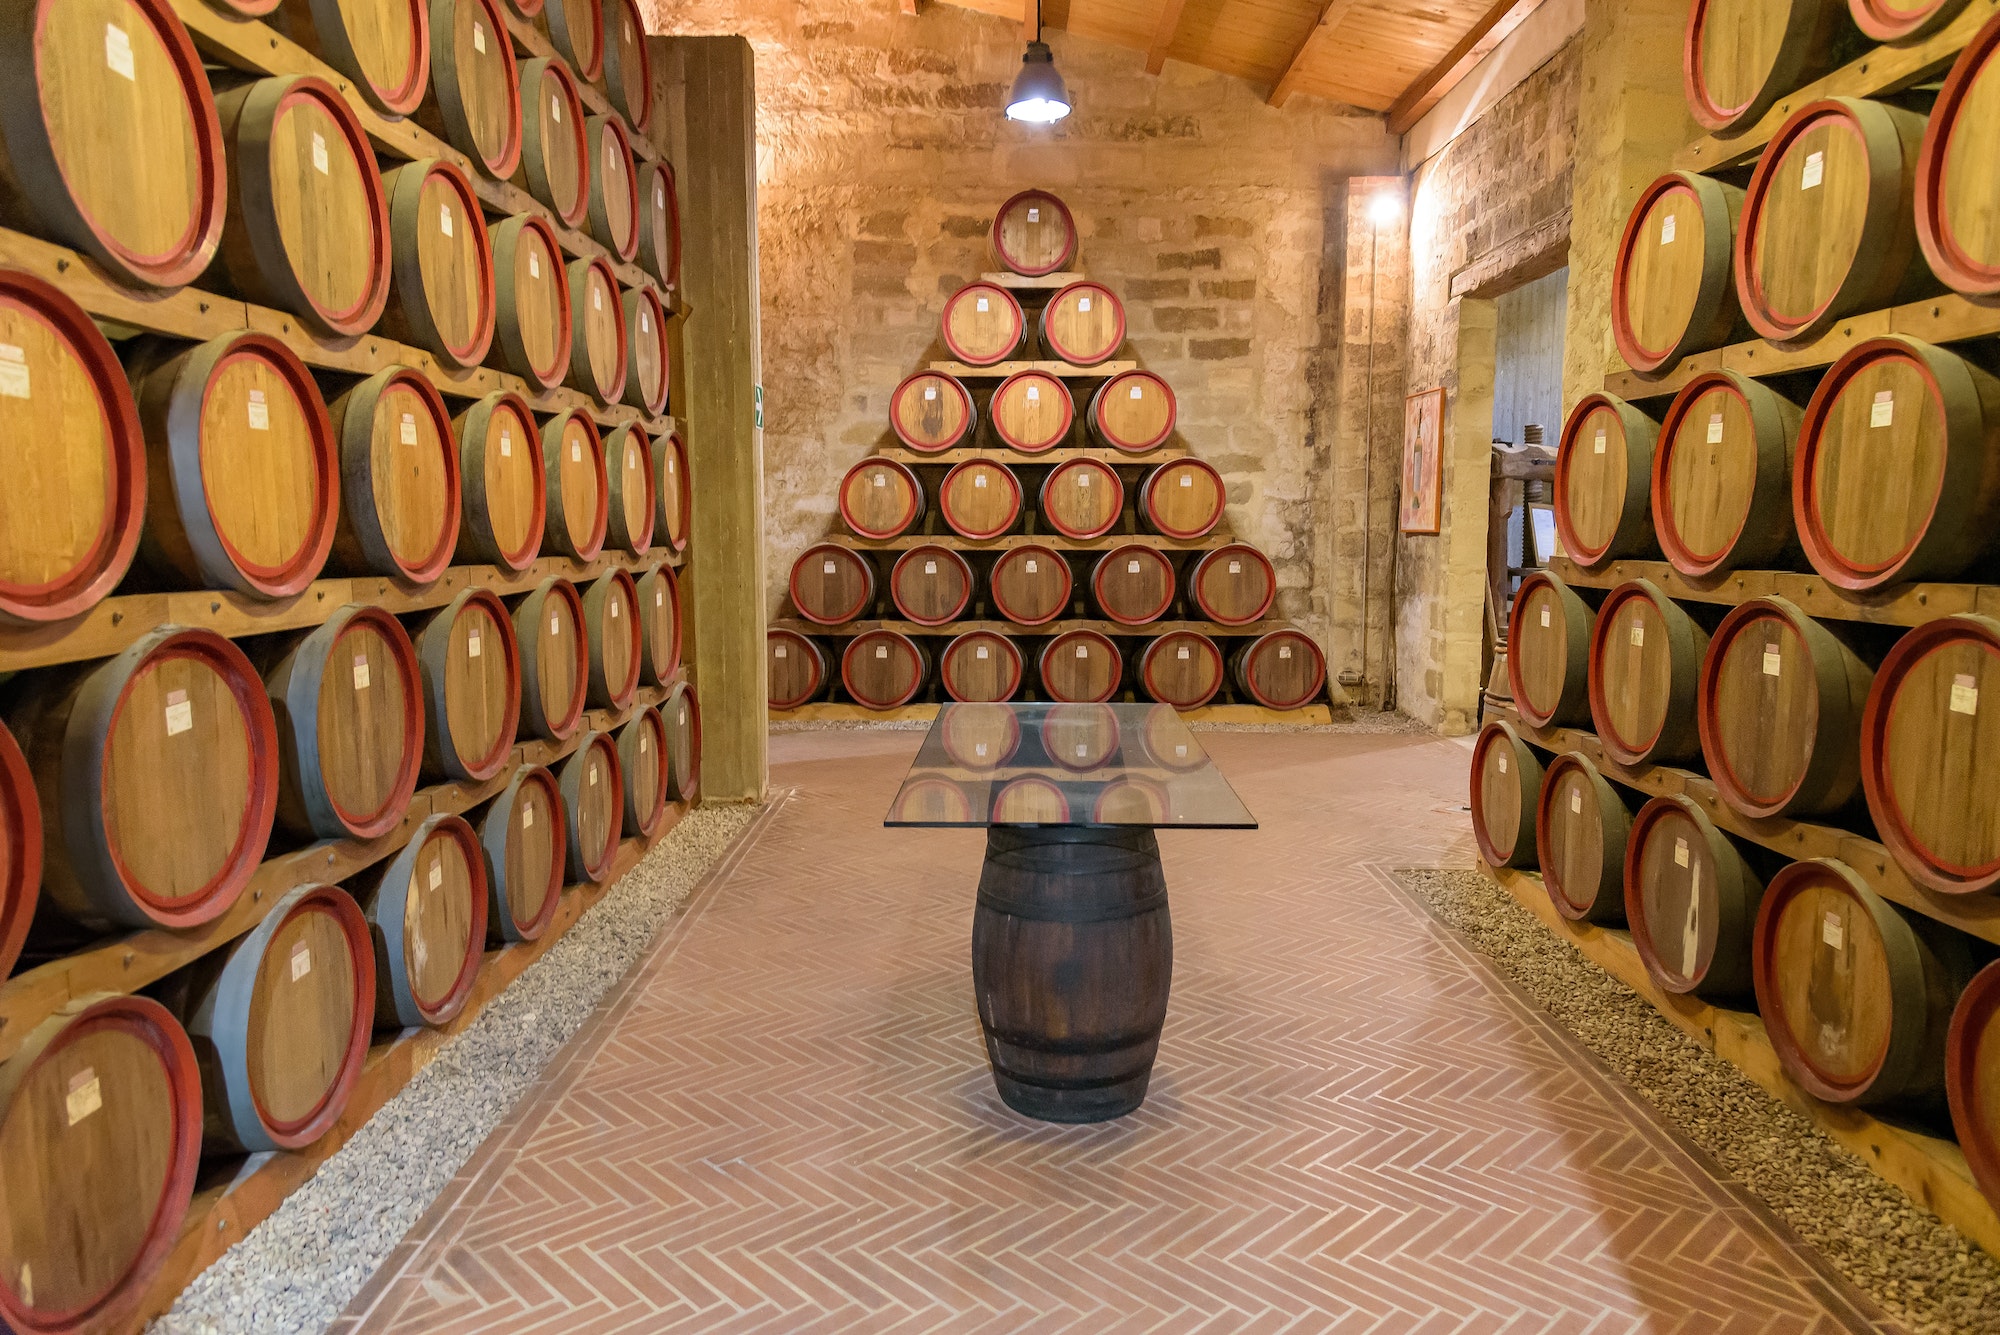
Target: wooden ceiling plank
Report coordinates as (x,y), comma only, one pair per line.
(913,7)
(1493,27)
(1163,35)
(1031,20)
(1330,16)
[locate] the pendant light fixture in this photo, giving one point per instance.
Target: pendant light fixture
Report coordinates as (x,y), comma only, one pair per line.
(1039,96)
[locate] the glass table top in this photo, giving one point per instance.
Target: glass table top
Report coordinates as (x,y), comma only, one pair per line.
(1065,764)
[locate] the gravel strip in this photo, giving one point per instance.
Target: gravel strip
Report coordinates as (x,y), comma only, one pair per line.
(298,1269)
(1920,1269)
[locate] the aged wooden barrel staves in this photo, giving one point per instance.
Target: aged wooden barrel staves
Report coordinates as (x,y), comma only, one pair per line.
(931,585)
(1030,585)
(642,759)
(795,668)
(673,492)
(555,151)
(1133,411)
(1603,483)
(475,101)
(532,328)
(1506,791)
(441,292)
(1133,584)
(1082,498)
(1034,234)
(614,187)
(1081,666)
(631,509)
(1957,195)
(1233,585)
(980,499)
(831,584)
(1972,1076)
(1581,827)
(399,481)
(555,660)
(931,412)
(628,71)
(883,669)
(1182,668)
(659,623)
(880,499)
(1722,476)
(579,492)
(1645,669)
(1673,284)
(471,674)
(576,29)
(981,666)
(983,325)
(426,911)
(680,713)
(1084,324)
(600,360)
(383,45)
(1182,500)
(1548,652)
(593,791)
(1031,411)
(1280,669)
(503,495)
(659,223)
(647,380)
(611,622)
(20,850)
(526,846)
(1741,56)
(1691,900)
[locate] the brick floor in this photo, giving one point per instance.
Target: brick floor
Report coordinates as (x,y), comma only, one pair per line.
(783,1120)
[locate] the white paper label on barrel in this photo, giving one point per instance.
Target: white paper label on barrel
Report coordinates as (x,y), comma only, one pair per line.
(1964,694)
(781,651)
(1033,565)
(479,38)
(1131,567)
(930,567)
(13,372)
(683,716)
(118,55)
(472,645)
(1831,932)
(86,1093)
(1814,173)
(597,298)
(506,443)
(979,480)
(260,411)
(979,304)
(1079,751)
(1187,479)
(1715,428)
(1503,764)
(444,219)
(555,109)
(980,652)
(1034,394)
(409,429)
(1083,479)
(660,196)
(1576,801)
(1284,651)
(534,265)
(527,818)
(576,451)
(1180,750)
(881,651)
(881,479)
(628,30)
(1638,636)
(614,611)
(827,567)
(1082,651)
(930,393)
(180,713)
(360,672)
(645,322)
(659,597)
(437,864)
(1681,852)
(1034,215)
(302,961)
(1599,448)
(1138,392)
(631,455)
(555,624)
(1235,567)
(979,748)
(320,162)
(27,1285)
(1883,411)
(1545,618)
(1772,663)
(591,774)
(1083,303)
(1667,229)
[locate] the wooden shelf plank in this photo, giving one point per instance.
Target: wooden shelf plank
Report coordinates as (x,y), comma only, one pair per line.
(1055,540)
(1903,605)
(845,713)
(1016,459)
(1034,282)
(1148,631)
(1001,370)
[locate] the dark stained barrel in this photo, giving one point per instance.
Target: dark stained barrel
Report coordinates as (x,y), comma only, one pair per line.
(20,850)
(1581,825)
(931,585)
(983,325)
(578,490)
(980,666)
(1133,411)
(1506,790)
(831,584)
(1082,666)
(532,329)
(1673,284)
(555,660)
(611,620)
(503,494)
(1033,234)
(1084,324)
(1722,476)
(680,714)
(1031,411)
(1133,584)
(555,151)
(1645,669)
(1603,485)
(1548,652)
(441,293)
(1741,56)
(399,481)
(795,668)
(1182,499)
(1233,585)
(426,911)
(931,412)
(1280,669)
(1030,585)
(883,669)
(1182,668)
(593,791)
(980,499)
(1691,900)
(659,624)
(880,499)
(642,760)
(471,672)
(1957,195)
(383,45)
(1082,499)
(475,101)
(522,834)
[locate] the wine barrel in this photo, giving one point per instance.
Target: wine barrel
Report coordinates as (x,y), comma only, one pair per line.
(611,619)
(1581,828)
(1033,234)
(1855,994)
(1132,412)
(1280,669)
(280,1022)
(646,382)
(111,142)
(931,412)
(931,585)
(929,799)
(426,911)
(796,669)
(1083,324)
(1133,584)
(1132,801)
(1032,412)
(1897,475)
(1603,482)
(1233,585)
(384,46)
(1827,229)
(1972,1077)
(642,758)
(245,483)
(983,325)
(659,223)
(1645,669)
(578,490)
(1902,20)
(614,188)
(1957,197)
(981,666)
(1029,800)
(674,493)
(1673,284)
(555,151)
(630,509)
(1166,741)
(980,499)
(521,832)
(1741,56)
(980,737)
(72,452)
(100,1128)
(1030,584)
(593,791)
(503,496)
(681,713)
(471,672)
(1182,500)
(1506,792)
(628,72)
(599,357)
(555,660)
(1080,666)
(1082,498)
(20,850)
(350,714)
(831,584)
(1080,737)
(576,29)
(880,499)
(532,329)
(475,101)
(1548,652)
(108,743)
(307,229)
(399,484)
(1722,477)
(659,624)
(882,669)
(1690,899)
(441,292)
(1072,956)
(1181,668)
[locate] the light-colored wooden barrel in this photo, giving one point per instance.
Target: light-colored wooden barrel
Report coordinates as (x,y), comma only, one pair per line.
(532,330)
(1133,584)
(1673,285)
(593,790)
(20,850)
(280,1022)
(1082,498)
(1740,56)
(1181,668)
(681,713)
(1132,801)
(614,188)
(579,492)
(673,492)
(1081,666)
(526,846)
(831,584)
(1182,499)
(1827,229)
(1083,324)
(105,742)
(399,481)
(628,72)
(441,294)
(426,911)
(979,736)
(642,759)
(880,499)
(1280,669)
(931,585)
(555,150)
(503,495)
(1722,477)
(611,618)
(659,624)
(1133,412)
(981,666)
(1030,800)
(983,325)
(1690,899)
(1897,475)
(980,499)
(659,223)
(384,46)
(883,669)
(931,799)
(1165,740)
(796,668)
(350,712)
(100,1129)
(1603,483)
(931,412)
(630,508)
(1972,1077)
(1506,791)
(243,488)
(555,660)
(599,357)
(308,224)
(471,674)
(1902,20)
(1031,411)
(576,29)
(1031,584)
(111,142)
(1033,234)
(1645,671)
(1581,827)
(1079,737)
(1548,652)
(475,97)
(1958,198)
(646,382)
(1233,585)
(72,452)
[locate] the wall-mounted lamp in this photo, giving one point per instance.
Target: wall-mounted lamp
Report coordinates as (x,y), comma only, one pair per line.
(1039,96)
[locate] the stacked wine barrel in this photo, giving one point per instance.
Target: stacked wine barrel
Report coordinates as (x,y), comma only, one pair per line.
(378,544)
(1034,531)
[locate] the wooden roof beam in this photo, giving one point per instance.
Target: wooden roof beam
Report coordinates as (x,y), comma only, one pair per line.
(1493,28)
(913,7)
(1330,15)
(1164,33)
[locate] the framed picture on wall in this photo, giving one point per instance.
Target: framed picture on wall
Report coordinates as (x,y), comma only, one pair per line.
(1423,461)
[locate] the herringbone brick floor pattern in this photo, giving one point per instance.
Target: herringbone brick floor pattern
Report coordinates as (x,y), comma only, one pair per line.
(783,1121)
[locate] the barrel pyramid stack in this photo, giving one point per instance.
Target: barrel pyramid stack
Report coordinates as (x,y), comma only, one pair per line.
(1037,531)
(1756,709)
